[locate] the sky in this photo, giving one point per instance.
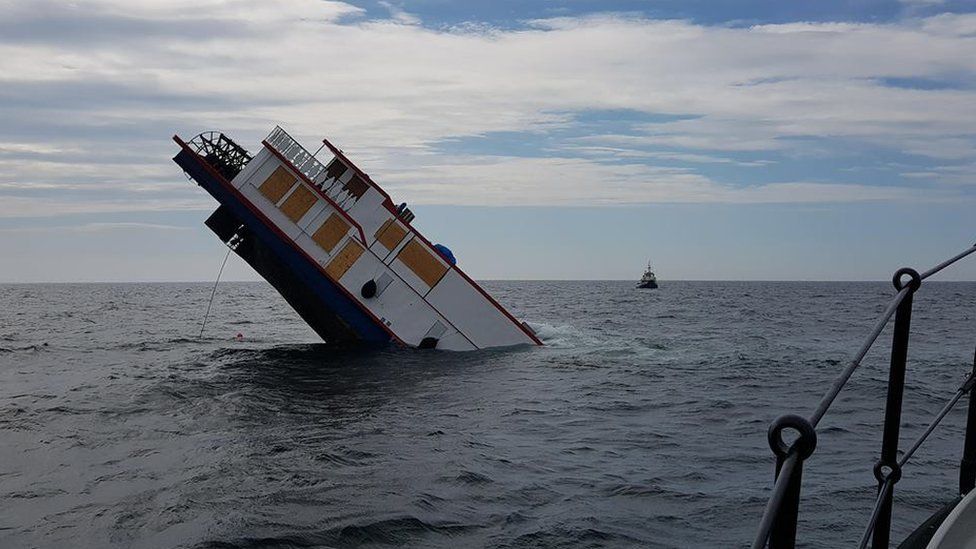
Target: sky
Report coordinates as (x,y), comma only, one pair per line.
(575,139)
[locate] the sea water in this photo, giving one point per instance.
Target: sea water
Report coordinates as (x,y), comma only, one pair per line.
(641,423)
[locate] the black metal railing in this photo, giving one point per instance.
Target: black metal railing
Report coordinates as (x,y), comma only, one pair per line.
(777,529)
(221,152)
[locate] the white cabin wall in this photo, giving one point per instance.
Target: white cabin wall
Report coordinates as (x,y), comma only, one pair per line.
(455,341)
(370,213)
(257,162)
(321,256)
(271,211)
(473,314)
(312,214)
(409,316)
(257,170)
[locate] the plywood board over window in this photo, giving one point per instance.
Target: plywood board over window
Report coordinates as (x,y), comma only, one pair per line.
(422,262)
(277,184)
(344,259)
(331,232)
(390,234)
(298,204)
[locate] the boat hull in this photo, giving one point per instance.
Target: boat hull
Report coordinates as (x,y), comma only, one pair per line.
(649,285)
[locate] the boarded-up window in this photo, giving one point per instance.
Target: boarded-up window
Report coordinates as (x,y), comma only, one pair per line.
(335,169)
(422,262)
(344,259)
(390,234)
(356,186)
(331,232)
(277,184)
(298,203)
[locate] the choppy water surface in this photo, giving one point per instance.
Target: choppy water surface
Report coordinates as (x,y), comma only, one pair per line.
(641,423)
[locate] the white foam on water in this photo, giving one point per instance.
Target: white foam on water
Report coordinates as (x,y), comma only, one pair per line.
(559,336)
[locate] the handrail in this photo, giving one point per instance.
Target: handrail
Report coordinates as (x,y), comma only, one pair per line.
(895,474)
(948,262)
(778,524)
(303,161)
(775,500)
(846,374)
(883,496)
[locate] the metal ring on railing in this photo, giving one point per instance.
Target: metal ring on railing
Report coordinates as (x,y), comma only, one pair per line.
(914,284)
(805,444)
(893,474)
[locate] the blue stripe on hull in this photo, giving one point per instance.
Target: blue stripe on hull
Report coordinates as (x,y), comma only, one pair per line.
(330,295)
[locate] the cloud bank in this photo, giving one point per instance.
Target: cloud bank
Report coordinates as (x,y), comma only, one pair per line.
(91,91)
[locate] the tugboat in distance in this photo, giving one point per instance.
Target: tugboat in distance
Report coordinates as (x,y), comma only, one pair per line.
(648,280)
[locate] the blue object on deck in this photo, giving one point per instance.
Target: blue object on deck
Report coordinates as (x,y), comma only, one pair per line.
(446,252)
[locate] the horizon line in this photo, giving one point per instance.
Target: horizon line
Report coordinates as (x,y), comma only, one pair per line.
(480,280)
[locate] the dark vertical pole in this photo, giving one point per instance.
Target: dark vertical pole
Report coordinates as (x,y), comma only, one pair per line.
(967,467)
(892,422)
(785,501)
(783,534)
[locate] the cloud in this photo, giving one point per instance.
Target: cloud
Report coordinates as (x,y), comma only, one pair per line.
(107,82)
(961,174)
(573,182)
(96,228)
(922,3)
(21,206)
(398,14)
(625,153)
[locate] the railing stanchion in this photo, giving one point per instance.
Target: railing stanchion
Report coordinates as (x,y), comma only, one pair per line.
(783,534)
(967,467)
(887,467)
(778,526)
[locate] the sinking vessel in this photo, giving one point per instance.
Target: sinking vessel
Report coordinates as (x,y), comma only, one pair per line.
(648,280)
(339,250)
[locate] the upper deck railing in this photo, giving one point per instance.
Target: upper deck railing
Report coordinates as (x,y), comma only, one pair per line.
(306,163)
(778,525)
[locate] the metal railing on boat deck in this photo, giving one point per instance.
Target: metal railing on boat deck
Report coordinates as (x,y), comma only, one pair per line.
(310,167)
(777,529)
(221,152)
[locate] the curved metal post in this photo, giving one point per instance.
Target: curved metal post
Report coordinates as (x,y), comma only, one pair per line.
(887,468)
(783,533)
(778,525)
(967,467)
